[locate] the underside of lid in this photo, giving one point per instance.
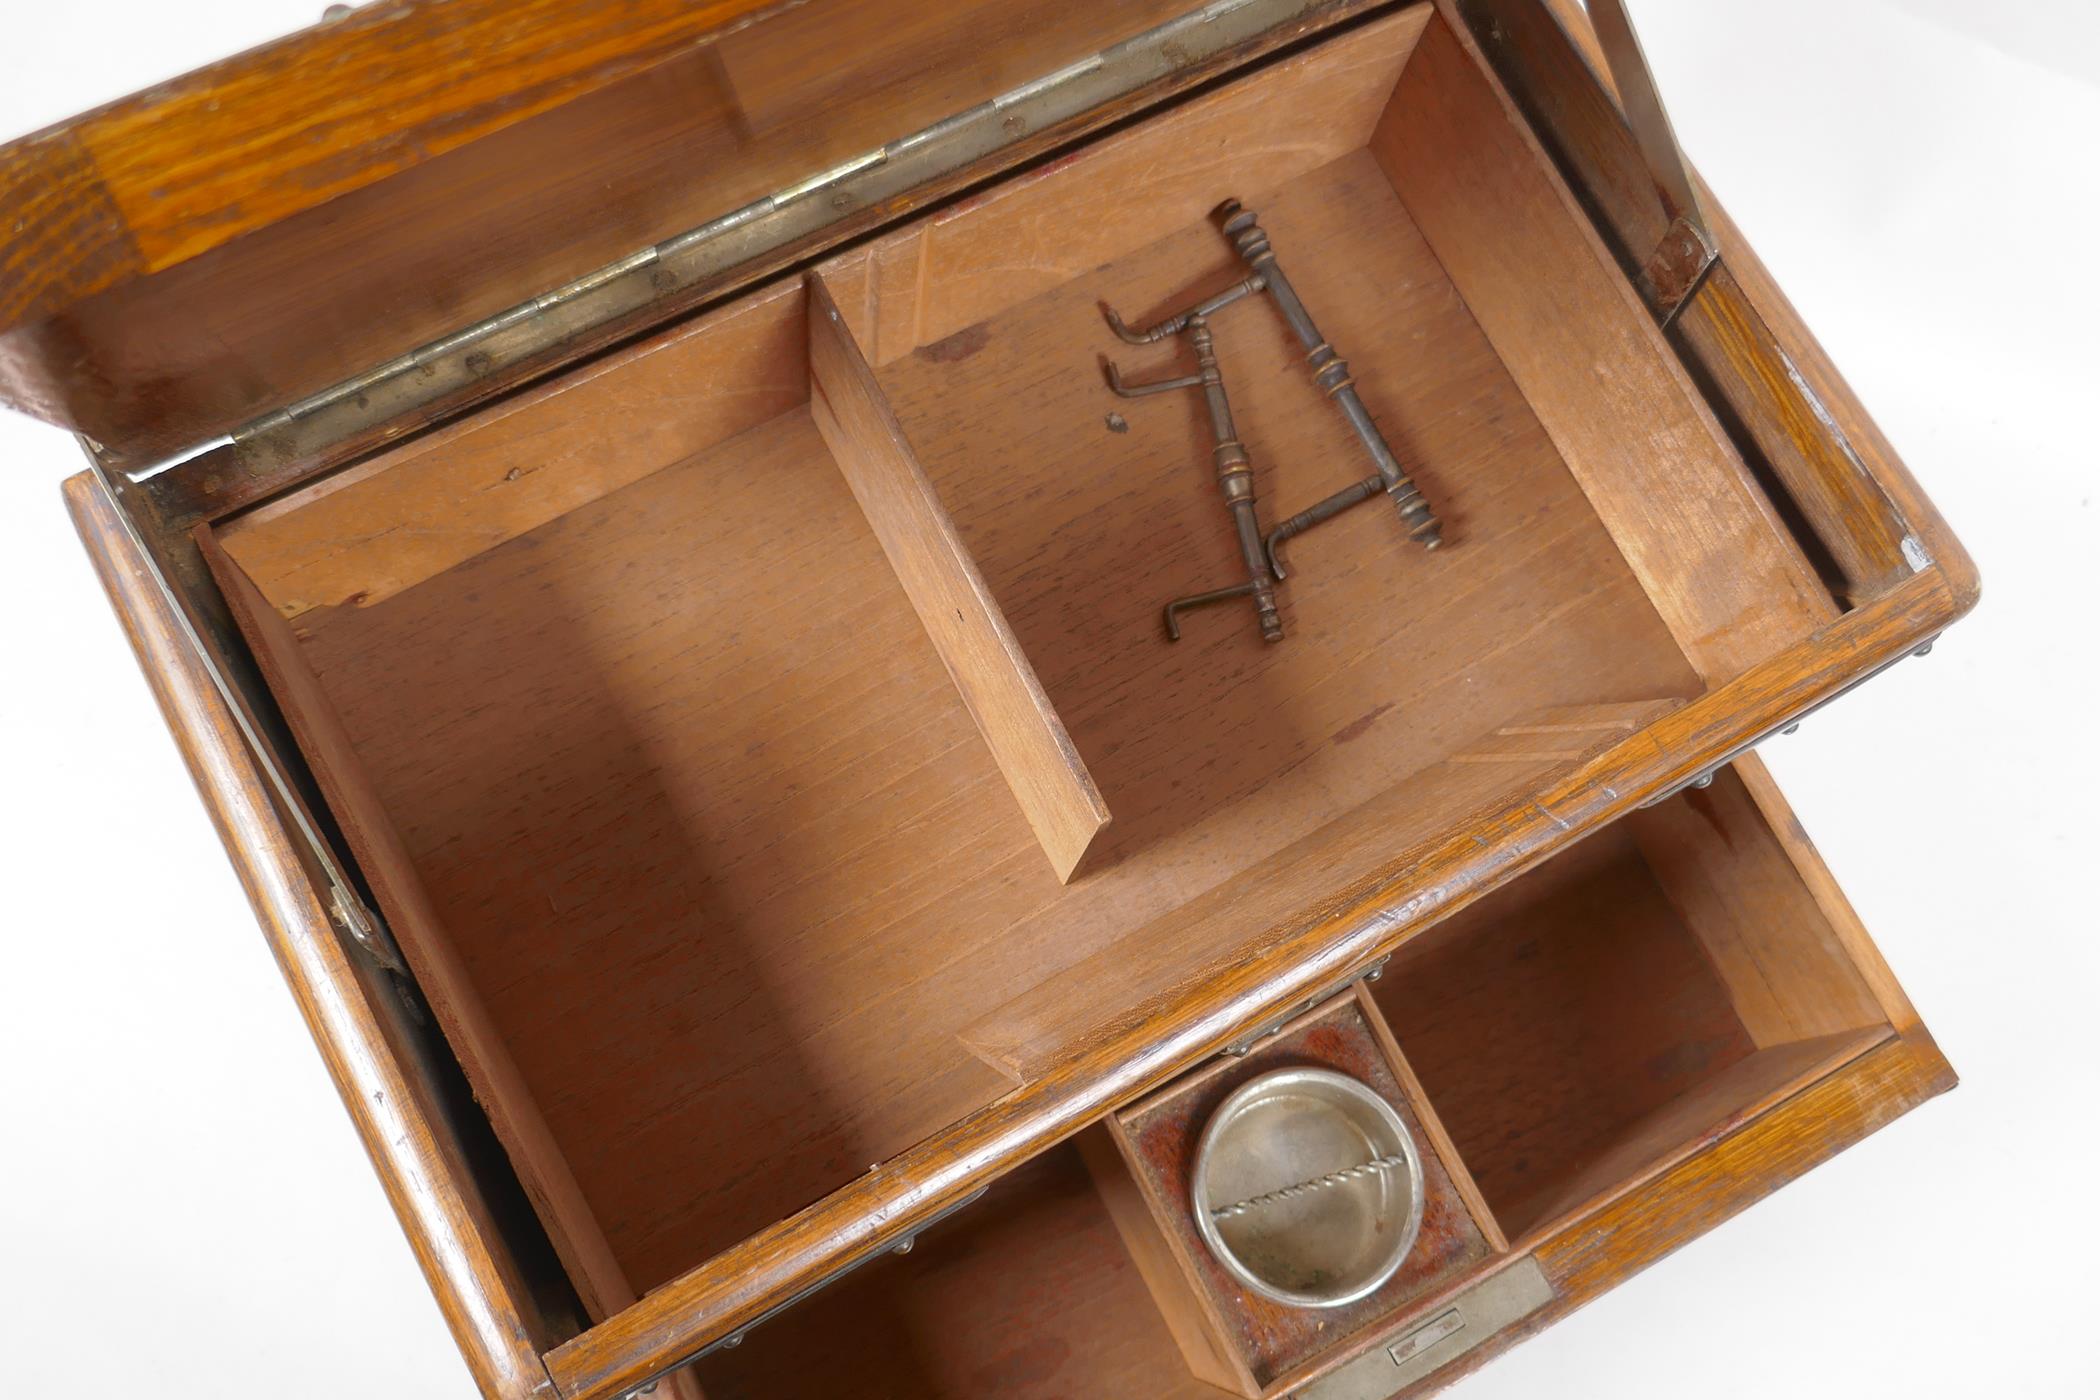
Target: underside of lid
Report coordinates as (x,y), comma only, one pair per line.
(206,254)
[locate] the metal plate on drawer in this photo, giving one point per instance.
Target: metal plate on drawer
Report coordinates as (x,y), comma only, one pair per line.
(1412,1352)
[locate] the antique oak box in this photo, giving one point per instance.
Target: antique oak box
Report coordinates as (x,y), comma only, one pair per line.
(622,511)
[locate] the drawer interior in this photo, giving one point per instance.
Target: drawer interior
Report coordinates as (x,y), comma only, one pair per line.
(1656,987)
(763,742)
(1587,1024)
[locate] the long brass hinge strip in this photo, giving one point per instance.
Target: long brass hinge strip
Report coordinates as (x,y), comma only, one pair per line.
(449,369)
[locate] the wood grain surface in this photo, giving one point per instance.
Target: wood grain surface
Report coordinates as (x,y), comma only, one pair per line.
(444,687)
(1030,1035)
(1694,1121)
(1756,361)
(1393,658)
(737,900)
(1027,1294)
(1546,1019)
(963,401)
(1419,885)
(421,935)
(359,536)
(197,162)
(1733,883)
(991,673)
(708,868)
(1044,228)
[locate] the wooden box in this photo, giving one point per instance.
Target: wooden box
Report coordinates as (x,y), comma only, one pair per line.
(672,646)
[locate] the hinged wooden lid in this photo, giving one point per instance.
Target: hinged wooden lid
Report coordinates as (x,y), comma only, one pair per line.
(358,214)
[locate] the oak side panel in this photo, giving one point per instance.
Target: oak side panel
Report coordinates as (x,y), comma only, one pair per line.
(1858,439)
(1027,739)
(1809,1128)
(1569,100)
(1678,500)
(1852,516)
(1694,1121)
(1861,469)
(444,1219)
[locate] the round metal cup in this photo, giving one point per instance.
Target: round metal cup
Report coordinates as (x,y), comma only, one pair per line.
(1327,1245)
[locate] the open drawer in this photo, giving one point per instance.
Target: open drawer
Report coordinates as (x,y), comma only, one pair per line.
(1625,1046)
(762,744)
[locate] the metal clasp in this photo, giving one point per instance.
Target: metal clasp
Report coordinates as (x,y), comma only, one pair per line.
(1238,1049)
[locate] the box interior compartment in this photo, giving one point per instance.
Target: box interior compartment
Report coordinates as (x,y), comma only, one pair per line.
(762,739)
(1026,1294)
(1600,1018)
(1596,1020)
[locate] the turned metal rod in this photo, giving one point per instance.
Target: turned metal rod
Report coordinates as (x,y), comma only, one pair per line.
(1235,481)
(1353,494)
(1331,372)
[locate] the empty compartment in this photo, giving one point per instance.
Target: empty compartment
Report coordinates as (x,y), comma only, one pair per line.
(681,812)
(1026,1294)
(1631,1000)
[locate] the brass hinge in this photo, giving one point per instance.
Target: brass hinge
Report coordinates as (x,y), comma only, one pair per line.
(451,367)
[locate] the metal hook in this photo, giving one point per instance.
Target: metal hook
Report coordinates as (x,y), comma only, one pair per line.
(1137,391)
(1180,321)
(1193,601)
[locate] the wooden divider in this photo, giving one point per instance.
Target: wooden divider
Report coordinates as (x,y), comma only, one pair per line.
(1035,1033)
(1027,739)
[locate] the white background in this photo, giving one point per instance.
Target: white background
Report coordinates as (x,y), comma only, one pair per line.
(185,1209)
